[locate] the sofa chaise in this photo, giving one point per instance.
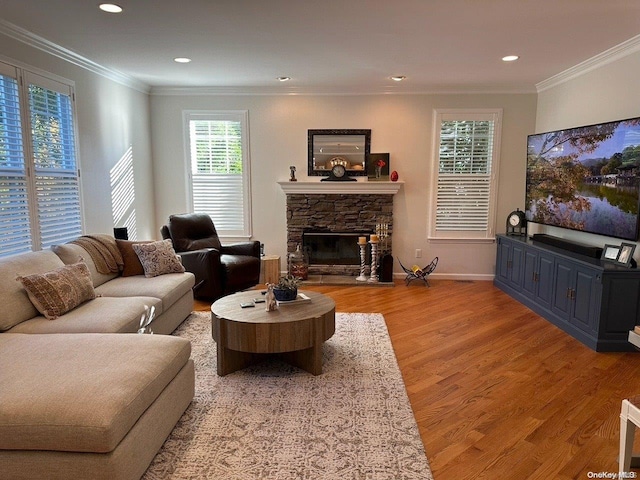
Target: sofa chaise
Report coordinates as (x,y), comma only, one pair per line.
(83,395)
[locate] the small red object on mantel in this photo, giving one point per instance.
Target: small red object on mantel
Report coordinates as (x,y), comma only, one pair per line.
(394,176)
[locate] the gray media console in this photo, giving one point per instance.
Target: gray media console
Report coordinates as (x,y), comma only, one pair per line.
(594,301)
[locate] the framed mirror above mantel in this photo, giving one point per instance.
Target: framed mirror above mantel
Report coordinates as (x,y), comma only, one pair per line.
(328,148)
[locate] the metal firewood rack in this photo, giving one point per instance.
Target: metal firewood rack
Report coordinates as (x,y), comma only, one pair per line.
(419,273)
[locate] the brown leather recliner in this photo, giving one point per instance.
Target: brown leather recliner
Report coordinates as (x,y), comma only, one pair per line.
(219,269)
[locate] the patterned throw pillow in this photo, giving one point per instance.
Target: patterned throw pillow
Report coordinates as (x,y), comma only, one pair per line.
(56,292)
(158,258)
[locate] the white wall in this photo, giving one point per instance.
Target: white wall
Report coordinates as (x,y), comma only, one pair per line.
(607,93)
(112,120)
(400,125)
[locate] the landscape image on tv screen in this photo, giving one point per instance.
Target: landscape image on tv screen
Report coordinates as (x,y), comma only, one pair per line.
(586,178)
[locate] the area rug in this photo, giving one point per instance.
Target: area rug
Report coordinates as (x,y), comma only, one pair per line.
(274,421)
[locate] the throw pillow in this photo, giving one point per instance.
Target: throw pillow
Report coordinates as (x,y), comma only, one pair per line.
(132,265)
(158,258)
(57,292)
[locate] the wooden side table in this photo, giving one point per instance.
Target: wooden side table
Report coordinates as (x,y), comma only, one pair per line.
(269,268)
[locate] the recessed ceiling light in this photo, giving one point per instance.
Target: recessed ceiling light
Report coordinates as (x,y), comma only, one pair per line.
(398,78)
(110,8)
(284,79)
(182,60)
(510,58)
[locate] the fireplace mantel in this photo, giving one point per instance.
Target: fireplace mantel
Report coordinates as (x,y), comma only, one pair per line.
(341,188)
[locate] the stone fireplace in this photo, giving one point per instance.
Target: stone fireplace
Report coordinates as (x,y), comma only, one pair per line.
(330,217)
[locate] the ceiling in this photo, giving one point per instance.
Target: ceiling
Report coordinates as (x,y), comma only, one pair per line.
(330,46)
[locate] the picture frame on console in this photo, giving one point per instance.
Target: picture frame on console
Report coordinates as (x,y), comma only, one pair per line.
(619,254)
(611,253)
(626,254)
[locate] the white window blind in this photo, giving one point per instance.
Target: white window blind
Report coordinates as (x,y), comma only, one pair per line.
(39,176)
(15,226)
(219,167)
(465,174)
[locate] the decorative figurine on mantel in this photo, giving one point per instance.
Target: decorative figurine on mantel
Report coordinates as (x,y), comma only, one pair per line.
(293,174)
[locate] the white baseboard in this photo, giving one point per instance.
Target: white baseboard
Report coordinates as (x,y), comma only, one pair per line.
(453,276)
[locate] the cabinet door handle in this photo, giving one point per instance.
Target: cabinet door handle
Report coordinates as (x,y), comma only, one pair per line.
(535,276)
(569,293)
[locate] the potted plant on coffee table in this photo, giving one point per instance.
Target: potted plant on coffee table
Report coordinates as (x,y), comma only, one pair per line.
(287,288)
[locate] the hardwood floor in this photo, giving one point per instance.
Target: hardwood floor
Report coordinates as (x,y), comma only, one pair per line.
(497,391)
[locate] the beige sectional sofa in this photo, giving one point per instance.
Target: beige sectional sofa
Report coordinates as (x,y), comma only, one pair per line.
(83,395)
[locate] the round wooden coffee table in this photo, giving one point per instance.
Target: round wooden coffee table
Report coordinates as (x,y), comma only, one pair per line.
(295,332)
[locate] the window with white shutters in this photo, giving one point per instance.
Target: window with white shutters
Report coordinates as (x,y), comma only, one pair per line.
(219,170)
(465,174)
(15,226)
(39,176)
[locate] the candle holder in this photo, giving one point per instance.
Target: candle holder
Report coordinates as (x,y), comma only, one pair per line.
(382,230)
(385,260)
(363,257)
(374,263)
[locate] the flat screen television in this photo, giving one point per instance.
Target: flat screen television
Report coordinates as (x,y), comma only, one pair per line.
(586,178)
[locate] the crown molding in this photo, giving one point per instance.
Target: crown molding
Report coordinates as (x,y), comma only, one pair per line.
(328,91)
(20,34)
(608,56)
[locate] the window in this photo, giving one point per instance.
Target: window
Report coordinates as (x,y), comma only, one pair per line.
(39,176)
(465,174)
(219,170)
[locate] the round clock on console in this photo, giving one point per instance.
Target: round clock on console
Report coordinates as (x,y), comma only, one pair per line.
(517,223)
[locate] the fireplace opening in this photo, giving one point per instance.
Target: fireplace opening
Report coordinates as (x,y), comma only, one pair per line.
(334,248)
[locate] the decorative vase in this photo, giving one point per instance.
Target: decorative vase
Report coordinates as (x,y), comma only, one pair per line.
(299,264)
(394,176)
(386,268)
(146,319)
(285,294)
